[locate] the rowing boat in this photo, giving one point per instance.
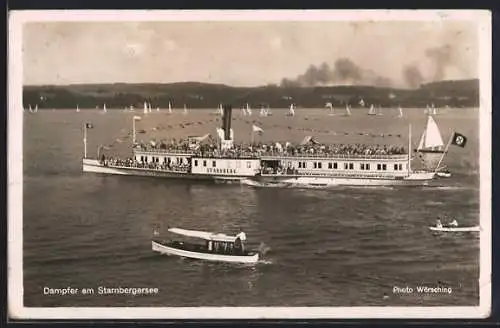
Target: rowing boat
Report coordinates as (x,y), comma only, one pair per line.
(456,229)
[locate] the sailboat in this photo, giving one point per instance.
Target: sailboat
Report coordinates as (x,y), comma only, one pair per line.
(77,109)
(400,112)
(149,108)
(434,110)
(330,107)
(268,111)
(104,108)
(31,109)
(347,110)
(431,140)
(249,110)
(145,108)
(185,110)
(371,111)
(291,111)
(431,146)
(379,113)
(169,108)
(157,109)
(36,108)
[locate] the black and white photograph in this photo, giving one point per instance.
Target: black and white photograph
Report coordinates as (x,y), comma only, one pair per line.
(249,164)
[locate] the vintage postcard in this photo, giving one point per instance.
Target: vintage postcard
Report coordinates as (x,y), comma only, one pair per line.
(249,164)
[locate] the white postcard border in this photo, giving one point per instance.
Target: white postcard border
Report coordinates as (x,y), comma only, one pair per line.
(16,308)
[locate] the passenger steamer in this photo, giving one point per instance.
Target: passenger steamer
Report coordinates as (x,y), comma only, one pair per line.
(270,167)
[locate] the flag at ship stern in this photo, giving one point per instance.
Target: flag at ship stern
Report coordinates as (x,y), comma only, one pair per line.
(459,140)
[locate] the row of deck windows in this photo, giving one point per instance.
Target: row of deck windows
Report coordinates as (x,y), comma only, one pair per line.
(214,164)
(154,159)
(349,166)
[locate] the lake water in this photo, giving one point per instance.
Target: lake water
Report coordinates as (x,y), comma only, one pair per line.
(327,247)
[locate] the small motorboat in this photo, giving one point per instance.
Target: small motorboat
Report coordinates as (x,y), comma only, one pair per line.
(216,247)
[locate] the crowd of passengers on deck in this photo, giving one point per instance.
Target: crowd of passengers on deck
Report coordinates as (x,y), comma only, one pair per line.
(211,149)
(133,163)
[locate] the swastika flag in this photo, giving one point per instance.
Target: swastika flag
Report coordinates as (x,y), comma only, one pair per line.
(459,140)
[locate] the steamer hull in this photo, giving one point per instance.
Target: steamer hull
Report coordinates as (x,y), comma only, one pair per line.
(422,179)
(164,249)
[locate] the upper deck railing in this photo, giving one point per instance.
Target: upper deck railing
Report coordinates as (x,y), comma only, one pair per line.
(333,156)
(269,155)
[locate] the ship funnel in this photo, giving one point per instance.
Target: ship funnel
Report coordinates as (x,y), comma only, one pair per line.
(226,121)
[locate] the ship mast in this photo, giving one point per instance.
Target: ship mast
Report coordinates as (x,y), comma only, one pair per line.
(409,149)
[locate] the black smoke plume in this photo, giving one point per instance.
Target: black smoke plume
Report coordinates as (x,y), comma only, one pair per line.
(412,75)
(344,71)
(442,57)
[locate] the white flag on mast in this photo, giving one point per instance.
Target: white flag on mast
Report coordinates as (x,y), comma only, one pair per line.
(255,128)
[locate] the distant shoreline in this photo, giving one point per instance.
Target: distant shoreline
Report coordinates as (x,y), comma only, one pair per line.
(458,93)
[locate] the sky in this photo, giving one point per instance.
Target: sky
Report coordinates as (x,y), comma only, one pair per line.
(246,53)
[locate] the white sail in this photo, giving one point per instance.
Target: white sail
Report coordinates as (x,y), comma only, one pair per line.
(145,108)
(372,110)
(249,110)
(185,109)
(292,110)
(169,107)
(400,111)
(157,109)
(31,109)
(104,108)
(77,108)
(36,108)
(431,138)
